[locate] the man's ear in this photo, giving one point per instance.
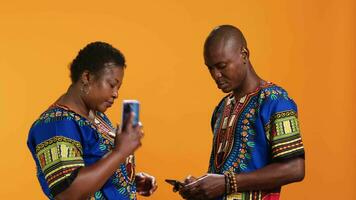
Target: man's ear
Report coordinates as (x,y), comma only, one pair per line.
(245,53)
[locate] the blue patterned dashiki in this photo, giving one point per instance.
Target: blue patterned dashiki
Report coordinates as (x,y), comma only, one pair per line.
(252,132)
(61,142)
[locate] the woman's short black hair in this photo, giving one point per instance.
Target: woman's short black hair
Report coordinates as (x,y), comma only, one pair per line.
(93,57)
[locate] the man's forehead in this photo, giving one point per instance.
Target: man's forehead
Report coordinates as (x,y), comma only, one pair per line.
(215,56)
(215,48)
(220,48)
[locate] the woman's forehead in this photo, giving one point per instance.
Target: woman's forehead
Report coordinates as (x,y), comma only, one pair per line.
(111,70)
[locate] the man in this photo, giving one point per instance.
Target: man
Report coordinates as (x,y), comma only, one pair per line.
(257,145)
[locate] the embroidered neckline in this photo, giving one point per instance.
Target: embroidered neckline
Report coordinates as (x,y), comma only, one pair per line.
(242,99)
(224,141)
(93,124)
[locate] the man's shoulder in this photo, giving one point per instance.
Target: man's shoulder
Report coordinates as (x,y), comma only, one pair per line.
(273,98)
(272,91)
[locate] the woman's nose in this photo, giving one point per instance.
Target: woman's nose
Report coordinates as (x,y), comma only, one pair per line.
(115,94)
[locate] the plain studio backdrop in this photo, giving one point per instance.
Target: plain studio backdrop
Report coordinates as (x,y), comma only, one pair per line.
(305,46)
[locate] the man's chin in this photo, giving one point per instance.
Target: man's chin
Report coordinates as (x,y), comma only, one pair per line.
(225,90)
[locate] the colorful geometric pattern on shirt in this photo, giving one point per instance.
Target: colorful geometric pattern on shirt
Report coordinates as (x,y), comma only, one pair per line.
(273,92)
(105,119)
(255,195)
(242,156)
(63,115)
(103,125)
(123,178)
(286,123)
(58,113)
(58,158)
(97,196)
(106,140)
(225,135)
(284,134)
(242,143)
(122,183)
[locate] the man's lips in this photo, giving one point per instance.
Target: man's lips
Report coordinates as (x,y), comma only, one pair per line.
(221,84)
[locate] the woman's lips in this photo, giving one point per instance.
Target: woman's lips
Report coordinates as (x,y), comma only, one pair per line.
(109,103)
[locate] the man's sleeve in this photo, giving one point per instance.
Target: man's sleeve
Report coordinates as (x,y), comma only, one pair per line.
(282,129)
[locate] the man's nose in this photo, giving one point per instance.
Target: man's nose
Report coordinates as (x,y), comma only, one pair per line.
(216,73)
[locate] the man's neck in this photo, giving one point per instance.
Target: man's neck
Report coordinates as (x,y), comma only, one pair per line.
(251,83)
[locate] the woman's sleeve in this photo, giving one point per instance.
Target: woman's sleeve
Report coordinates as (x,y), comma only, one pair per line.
(59,154)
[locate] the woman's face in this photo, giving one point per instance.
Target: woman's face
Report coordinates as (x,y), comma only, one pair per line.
(104,87)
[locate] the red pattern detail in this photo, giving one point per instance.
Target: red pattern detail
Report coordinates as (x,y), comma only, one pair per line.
(287,147)
(271,196)
(60,173)
(227,135)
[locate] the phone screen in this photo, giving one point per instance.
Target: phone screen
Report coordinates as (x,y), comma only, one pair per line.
(128,107)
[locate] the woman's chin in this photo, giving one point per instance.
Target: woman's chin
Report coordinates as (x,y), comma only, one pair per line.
(102,108)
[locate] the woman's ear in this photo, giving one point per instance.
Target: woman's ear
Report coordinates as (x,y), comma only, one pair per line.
(85,78)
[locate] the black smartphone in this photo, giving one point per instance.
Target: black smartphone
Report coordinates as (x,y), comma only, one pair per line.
(176,184)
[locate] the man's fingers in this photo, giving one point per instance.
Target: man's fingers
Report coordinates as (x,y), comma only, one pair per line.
(192,184)
(189,190)
(153,185)
(189,179)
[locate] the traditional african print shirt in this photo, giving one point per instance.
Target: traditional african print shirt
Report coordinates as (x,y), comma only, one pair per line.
(252,132)
(61,142)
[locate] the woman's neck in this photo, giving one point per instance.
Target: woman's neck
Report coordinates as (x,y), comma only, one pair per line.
(74,101)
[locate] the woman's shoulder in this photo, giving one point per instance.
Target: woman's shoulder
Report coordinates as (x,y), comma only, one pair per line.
(58,124)
(57,120)
(58,114)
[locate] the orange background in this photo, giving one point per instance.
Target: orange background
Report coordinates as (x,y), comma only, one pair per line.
(305,46)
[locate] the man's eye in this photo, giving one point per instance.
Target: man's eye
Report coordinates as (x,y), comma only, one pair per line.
(221,66)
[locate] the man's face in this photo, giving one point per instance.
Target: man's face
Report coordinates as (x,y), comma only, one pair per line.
(225,63)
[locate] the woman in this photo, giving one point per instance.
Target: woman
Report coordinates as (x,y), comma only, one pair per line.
(73,142)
